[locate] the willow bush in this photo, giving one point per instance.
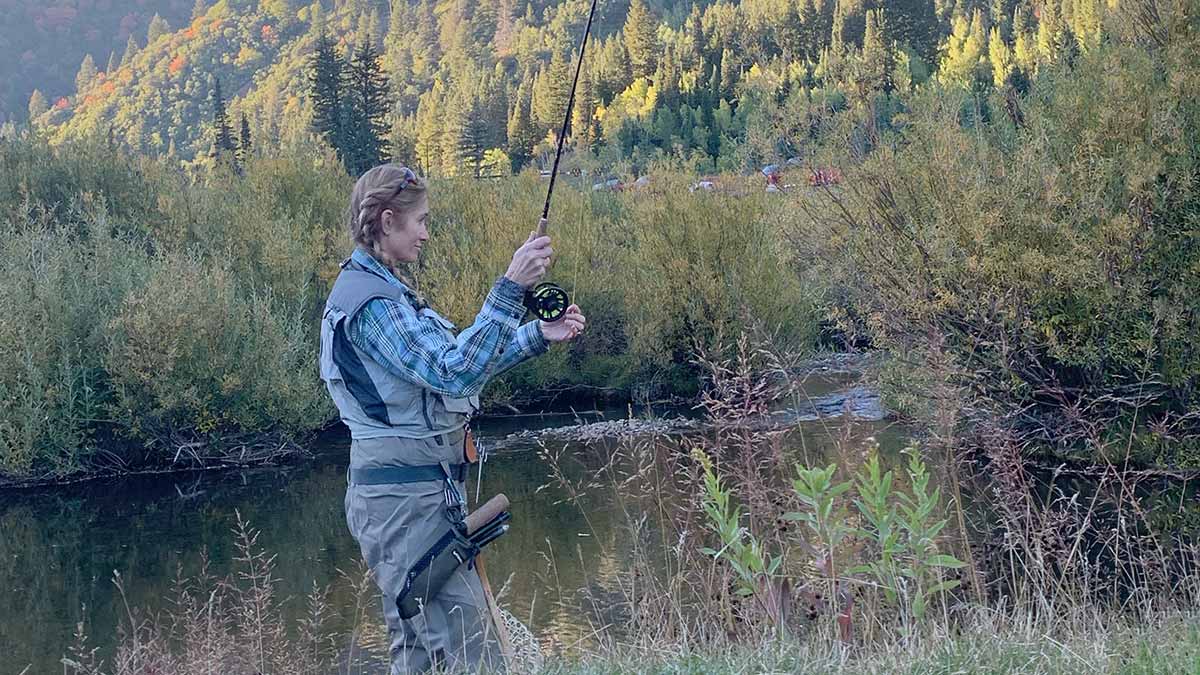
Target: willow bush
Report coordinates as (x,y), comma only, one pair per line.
(1031,260)
(152,317)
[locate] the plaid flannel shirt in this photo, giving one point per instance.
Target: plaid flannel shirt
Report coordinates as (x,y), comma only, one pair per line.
(417,350)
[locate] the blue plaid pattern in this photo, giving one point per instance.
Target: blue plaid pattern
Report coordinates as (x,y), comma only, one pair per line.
(416,350)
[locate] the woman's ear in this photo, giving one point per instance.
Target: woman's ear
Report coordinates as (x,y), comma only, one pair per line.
(387,220)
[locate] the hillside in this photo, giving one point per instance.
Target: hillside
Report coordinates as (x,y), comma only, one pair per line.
(725,86)
(44,42)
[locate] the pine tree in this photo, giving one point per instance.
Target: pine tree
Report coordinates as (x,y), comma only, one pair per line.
(791,32)
(87,73)
(199,9)
(584,110)
(367,108)
(327,87)
(462,142)
(1050,34)
(1024,43)
(877,56)
(37,105)
(244,142)
(1086,22)
(666,80)
(965,51)
(914,23)
(693,43)
(522,135)
(426,51)
(158,28)
(551,90)
(131,50)
(729,75)
(1001,58)
(641,38)
(429,129)
(222,133)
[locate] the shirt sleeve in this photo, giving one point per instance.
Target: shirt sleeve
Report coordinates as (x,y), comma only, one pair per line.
(527,343)
(419,351)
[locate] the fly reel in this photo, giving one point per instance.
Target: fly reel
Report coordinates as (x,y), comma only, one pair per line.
(547,301)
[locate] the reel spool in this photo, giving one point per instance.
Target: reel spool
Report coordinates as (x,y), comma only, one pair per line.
(547,301)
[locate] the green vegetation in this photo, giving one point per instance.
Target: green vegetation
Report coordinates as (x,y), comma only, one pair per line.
(1030,260)
(700,83)
(1016,227)
(154,320)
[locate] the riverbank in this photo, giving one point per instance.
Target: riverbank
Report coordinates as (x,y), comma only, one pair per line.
(994,644)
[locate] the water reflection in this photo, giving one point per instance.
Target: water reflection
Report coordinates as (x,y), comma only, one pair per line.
(61,546)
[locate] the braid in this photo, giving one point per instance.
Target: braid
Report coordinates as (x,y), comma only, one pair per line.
(384,187)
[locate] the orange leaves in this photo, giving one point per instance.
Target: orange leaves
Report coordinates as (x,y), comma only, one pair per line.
(267,32)
(177,64)
(62,103)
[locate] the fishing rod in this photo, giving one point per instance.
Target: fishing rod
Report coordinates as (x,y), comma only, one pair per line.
(548,301)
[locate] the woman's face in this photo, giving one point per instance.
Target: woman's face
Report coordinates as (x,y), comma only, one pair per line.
(404,232)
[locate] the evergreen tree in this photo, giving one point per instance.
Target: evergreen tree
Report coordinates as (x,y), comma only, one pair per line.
(327,88)
(37,105)
(914,23)
(641,38)
(199,9)
(244,143)
(1050,34)
(551,90)
(666,80)
(729,75)
(584,110)
(1024,43)
(965,52)
(131,50)
(426,52)
(462,134)
(222,133)
(158,28)
(791,32)
(367,108)
(693,42)
(87,73)
(1086,22)
(878,59)
(522,135)
(429,129)
(1001,58)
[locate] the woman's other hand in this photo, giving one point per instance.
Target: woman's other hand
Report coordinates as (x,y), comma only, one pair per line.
(568,327)
(530,262)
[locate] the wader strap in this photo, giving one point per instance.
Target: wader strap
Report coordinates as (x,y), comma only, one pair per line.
(388,475)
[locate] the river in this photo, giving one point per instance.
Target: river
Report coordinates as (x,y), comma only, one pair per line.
(61,546)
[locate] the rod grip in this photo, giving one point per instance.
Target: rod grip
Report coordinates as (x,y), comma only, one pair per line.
(484,514)
(541,228)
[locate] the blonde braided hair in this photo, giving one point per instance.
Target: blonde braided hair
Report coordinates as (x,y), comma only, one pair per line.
(388,186)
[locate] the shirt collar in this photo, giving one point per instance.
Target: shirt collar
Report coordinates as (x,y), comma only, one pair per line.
(377,268)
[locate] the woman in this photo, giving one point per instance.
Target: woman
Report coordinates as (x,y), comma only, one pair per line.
(404,384)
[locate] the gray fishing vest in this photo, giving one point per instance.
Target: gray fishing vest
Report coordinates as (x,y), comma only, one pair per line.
(372,402)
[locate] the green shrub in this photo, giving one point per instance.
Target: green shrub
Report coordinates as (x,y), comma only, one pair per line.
(56,295)
(192,352)
(1043,260)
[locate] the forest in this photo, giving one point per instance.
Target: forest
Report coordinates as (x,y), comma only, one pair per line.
(476,88)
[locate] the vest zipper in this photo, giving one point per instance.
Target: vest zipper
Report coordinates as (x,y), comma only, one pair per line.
(425,408)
